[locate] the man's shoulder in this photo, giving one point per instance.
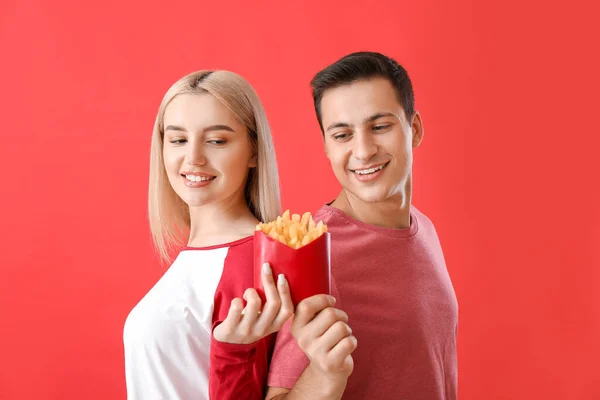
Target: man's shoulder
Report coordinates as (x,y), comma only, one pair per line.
(422,219)
(417,212)
(323,214)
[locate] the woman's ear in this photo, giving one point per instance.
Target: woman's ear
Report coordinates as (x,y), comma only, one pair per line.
(253,162)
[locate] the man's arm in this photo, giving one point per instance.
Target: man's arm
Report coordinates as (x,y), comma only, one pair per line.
(324,336)
(311,385)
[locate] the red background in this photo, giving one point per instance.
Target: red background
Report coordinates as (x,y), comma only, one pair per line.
(508,170)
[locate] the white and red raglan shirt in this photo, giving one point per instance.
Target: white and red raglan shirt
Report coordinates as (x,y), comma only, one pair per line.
(170,353)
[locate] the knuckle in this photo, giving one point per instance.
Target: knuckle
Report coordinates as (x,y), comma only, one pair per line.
(243,331)
(321,299)
(259,332)
(331,314)
(275,303)
(349,344)
(346,343)
(286,313)
(341,328)
(335,362)
(353,343)
(303,343)
(302,308)
(236,305)
(254,301)
(325,365)
(342,315)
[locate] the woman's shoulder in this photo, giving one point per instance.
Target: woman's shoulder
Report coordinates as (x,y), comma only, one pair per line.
(246,241)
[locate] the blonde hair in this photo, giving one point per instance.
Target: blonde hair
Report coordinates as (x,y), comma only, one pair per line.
(168,214)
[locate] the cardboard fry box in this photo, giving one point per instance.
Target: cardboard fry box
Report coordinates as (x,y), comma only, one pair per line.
(307,269)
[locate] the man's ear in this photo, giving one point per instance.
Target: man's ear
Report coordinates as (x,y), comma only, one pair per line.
(417,130)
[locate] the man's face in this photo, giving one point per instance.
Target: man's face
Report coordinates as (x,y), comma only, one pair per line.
(369,140)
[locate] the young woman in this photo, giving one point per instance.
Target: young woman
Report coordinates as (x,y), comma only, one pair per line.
(213,177)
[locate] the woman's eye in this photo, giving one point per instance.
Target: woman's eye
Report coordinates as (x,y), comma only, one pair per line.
(178,141)
(217,141)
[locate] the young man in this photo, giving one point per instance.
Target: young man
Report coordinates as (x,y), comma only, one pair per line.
(388,269)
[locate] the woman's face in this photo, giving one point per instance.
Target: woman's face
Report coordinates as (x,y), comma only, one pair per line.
(206,151)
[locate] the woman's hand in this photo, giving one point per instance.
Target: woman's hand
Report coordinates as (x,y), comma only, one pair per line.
(248,325)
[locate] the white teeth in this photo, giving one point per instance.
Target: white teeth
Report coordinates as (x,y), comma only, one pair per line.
(195,178)
(369,171)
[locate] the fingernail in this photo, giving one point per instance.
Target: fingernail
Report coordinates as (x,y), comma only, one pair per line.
(266,269)
(281,280)
(332,300)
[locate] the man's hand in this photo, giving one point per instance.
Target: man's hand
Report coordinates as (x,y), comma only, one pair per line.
(251,324)
(323,334)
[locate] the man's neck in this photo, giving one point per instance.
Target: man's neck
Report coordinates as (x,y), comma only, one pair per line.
(393,212)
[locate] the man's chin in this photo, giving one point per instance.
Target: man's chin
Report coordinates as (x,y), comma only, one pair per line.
(372,195)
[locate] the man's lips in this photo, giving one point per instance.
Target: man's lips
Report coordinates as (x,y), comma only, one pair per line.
(370,169)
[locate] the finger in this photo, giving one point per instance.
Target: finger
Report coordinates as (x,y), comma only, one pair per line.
(251,311)
(309,307)
(308,336)
(233,316)
(341,352)
(325,320)
(271,307)
(334,334)
(287,306)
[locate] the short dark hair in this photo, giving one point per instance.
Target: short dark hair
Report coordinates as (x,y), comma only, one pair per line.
(360,66)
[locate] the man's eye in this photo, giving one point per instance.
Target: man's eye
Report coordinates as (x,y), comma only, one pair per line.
(381,127)
(341,136)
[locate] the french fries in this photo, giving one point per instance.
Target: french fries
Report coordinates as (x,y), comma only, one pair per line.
(294,231)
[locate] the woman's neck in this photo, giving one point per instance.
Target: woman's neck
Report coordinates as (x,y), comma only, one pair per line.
(219,223)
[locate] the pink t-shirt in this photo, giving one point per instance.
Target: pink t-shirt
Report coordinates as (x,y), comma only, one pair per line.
(395,287)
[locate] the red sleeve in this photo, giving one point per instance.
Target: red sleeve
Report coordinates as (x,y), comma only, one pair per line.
(288,361)
(237,372)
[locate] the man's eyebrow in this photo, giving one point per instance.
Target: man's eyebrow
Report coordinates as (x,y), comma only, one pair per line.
(338,125)
(372,118)
(378,115)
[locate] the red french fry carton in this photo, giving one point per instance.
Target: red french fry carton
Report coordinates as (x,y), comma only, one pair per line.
(307,269)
